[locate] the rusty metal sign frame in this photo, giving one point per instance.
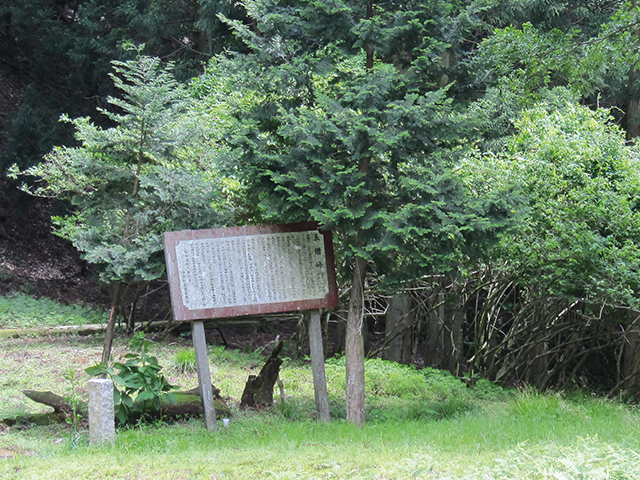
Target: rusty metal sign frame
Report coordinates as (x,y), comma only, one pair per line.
(183,313)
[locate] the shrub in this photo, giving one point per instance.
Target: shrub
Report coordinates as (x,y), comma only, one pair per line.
(442,384)
(139,385)
(382,378)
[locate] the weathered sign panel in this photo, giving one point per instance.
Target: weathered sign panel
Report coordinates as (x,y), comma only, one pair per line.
(236,271)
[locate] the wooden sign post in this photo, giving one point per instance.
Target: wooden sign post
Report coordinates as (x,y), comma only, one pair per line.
(204,375)
(317,367)
(236,271)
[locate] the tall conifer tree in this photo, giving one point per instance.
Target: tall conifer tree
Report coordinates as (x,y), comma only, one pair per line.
(131,183)
(346,120)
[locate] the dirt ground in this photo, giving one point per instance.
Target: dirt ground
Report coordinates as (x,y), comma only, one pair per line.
(33,259)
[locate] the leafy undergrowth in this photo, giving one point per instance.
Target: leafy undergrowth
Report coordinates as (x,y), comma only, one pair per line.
(394,392)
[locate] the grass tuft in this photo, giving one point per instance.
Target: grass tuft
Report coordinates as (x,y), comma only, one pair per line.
(184,361)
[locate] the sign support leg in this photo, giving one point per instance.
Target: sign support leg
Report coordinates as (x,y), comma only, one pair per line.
(317,366)
(204,376)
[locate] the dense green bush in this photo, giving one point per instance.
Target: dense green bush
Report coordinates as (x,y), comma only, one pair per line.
(382,378)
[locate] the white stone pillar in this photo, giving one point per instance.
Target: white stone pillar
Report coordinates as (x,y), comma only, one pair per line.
(102,427)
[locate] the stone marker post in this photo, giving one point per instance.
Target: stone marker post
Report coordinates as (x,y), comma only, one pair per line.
(102,427)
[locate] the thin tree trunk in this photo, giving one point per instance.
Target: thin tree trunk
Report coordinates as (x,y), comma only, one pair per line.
(369,48)
(536,365)
(435,328)
(111,325)
(452,339)
(131,318)
(633,114)
(354,346)
(203,40)
(399,320)
(354,341)
(341,333)
(300,335)
(325,333)
(630,358)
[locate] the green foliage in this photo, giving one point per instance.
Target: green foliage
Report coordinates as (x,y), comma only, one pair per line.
(384,378)
(483,389)
(390,379)
(394,392)
(366,150)
(24,311)
(591,55)
(547,63)
(399,392)
(129,184)
(139,385)
(441,384)
(580,178)
(567,278)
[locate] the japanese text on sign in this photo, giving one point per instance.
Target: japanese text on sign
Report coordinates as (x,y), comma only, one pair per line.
(252,269)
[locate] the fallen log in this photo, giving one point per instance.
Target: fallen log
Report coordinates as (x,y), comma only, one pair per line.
(40,419)
(58,403)
(62,410)
(82,330)
(188,404)
(85,330)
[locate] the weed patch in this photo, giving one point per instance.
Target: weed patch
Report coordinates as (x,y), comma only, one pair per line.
(184,361)
(587,458)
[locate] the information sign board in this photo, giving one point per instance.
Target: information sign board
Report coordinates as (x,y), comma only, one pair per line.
(228,272)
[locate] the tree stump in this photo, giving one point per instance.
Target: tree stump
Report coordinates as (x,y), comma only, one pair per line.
(258,391)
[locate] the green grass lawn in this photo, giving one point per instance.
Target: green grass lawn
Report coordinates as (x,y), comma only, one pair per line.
(420,424)
(24,311)
(595,441)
